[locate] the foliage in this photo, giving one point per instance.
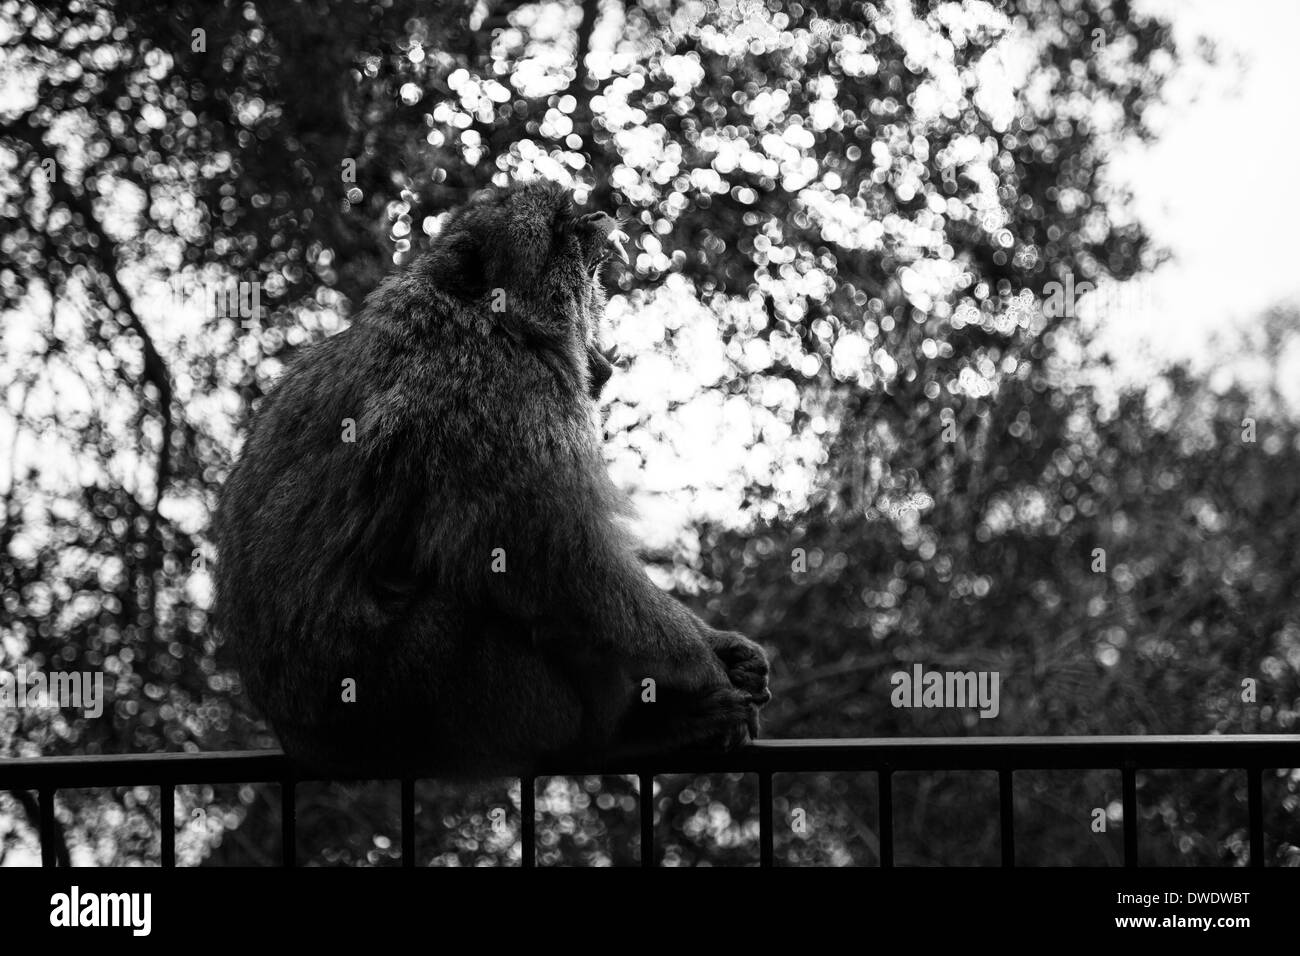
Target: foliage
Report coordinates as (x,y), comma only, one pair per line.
(859,194)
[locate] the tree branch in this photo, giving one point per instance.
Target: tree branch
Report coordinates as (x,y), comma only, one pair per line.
(582,118)
(155,369)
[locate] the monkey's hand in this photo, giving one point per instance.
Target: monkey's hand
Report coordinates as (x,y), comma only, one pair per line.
(744,660)
(728,720)
(721,717)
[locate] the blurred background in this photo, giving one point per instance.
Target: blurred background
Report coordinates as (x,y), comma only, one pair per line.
(961,334)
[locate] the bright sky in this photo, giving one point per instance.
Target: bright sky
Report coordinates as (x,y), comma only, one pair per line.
(1220,189)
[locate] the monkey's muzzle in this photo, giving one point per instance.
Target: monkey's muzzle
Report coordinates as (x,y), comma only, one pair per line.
(606,226)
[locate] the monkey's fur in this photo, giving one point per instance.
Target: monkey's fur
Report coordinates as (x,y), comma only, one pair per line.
(374,560)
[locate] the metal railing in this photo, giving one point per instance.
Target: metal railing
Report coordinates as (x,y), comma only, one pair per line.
(1252,753)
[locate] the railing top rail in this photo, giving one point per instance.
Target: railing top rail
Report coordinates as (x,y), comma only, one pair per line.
(772,756)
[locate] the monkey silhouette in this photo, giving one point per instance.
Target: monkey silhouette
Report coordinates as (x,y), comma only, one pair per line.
(423,563)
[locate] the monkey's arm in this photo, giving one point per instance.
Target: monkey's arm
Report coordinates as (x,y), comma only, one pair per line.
(571,567)
(616,631)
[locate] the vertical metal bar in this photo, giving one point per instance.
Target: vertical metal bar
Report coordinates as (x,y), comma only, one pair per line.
(167,823)
(1130,816)
(646,783)
(528,821)
(408,822)
(885,785)
(765,822)
(1006,805)
(46,795)
(288,830)
(1255,809)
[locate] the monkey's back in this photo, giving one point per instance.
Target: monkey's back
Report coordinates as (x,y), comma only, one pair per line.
(356,531)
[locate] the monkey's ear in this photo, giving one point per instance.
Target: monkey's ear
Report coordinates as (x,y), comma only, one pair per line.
(458,264)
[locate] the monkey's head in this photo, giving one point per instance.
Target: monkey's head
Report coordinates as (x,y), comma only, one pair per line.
(531,257)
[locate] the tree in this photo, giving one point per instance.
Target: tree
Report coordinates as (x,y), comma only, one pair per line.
(859,193)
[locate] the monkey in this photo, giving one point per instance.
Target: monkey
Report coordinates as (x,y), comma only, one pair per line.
(423,564)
